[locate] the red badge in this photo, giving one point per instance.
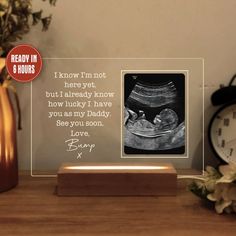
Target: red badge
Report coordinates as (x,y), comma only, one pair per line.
(24,63)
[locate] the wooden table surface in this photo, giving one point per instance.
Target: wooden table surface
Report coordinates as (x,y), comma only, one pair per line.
(33,208)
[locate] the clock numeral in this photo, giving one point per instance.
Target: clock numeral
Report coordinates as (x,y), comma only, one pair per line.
(234,115)
(231,151)
(226,122)
(223,143)
(218,117)
(220,132)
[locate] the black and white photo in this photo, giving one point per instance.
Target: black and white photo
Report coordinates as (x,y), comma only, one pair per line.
(154,113)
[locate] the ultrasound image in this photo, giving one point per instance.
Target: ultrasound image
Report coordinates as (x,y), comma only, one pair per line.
(154,113)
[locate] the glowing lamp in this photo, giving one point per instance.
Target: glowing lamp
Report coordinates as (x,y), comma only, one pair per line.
(91,168)
(116,179)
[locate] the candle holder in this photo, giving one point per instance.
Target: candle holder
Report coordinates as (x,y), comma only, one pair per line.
(8,145)
(8,148)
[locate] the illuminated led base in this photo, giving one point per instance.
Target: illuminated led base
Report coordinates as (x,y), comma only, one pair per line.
(116,167)
(116,179)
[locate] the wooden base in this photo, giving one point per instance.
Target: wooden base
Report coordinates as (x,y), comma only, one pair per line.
(116,179)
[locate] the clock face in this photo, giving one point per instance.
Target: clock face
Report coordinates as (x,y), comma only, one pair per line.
(222,133)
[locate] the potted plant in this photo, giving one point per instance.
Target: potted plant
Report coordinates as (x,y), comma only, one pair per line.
(16,19)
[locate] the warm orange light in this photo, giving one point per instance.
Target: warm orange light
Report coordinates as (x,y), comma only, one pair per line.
(2,63)
(7,138)
(116,167)
(8,152)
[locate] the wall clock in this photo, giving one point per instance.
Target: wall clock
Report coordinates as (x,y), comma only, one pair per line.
(222,127)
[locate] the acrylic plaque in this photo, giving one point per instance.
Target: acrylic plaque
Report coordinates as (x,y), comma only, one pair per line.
(117,110)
